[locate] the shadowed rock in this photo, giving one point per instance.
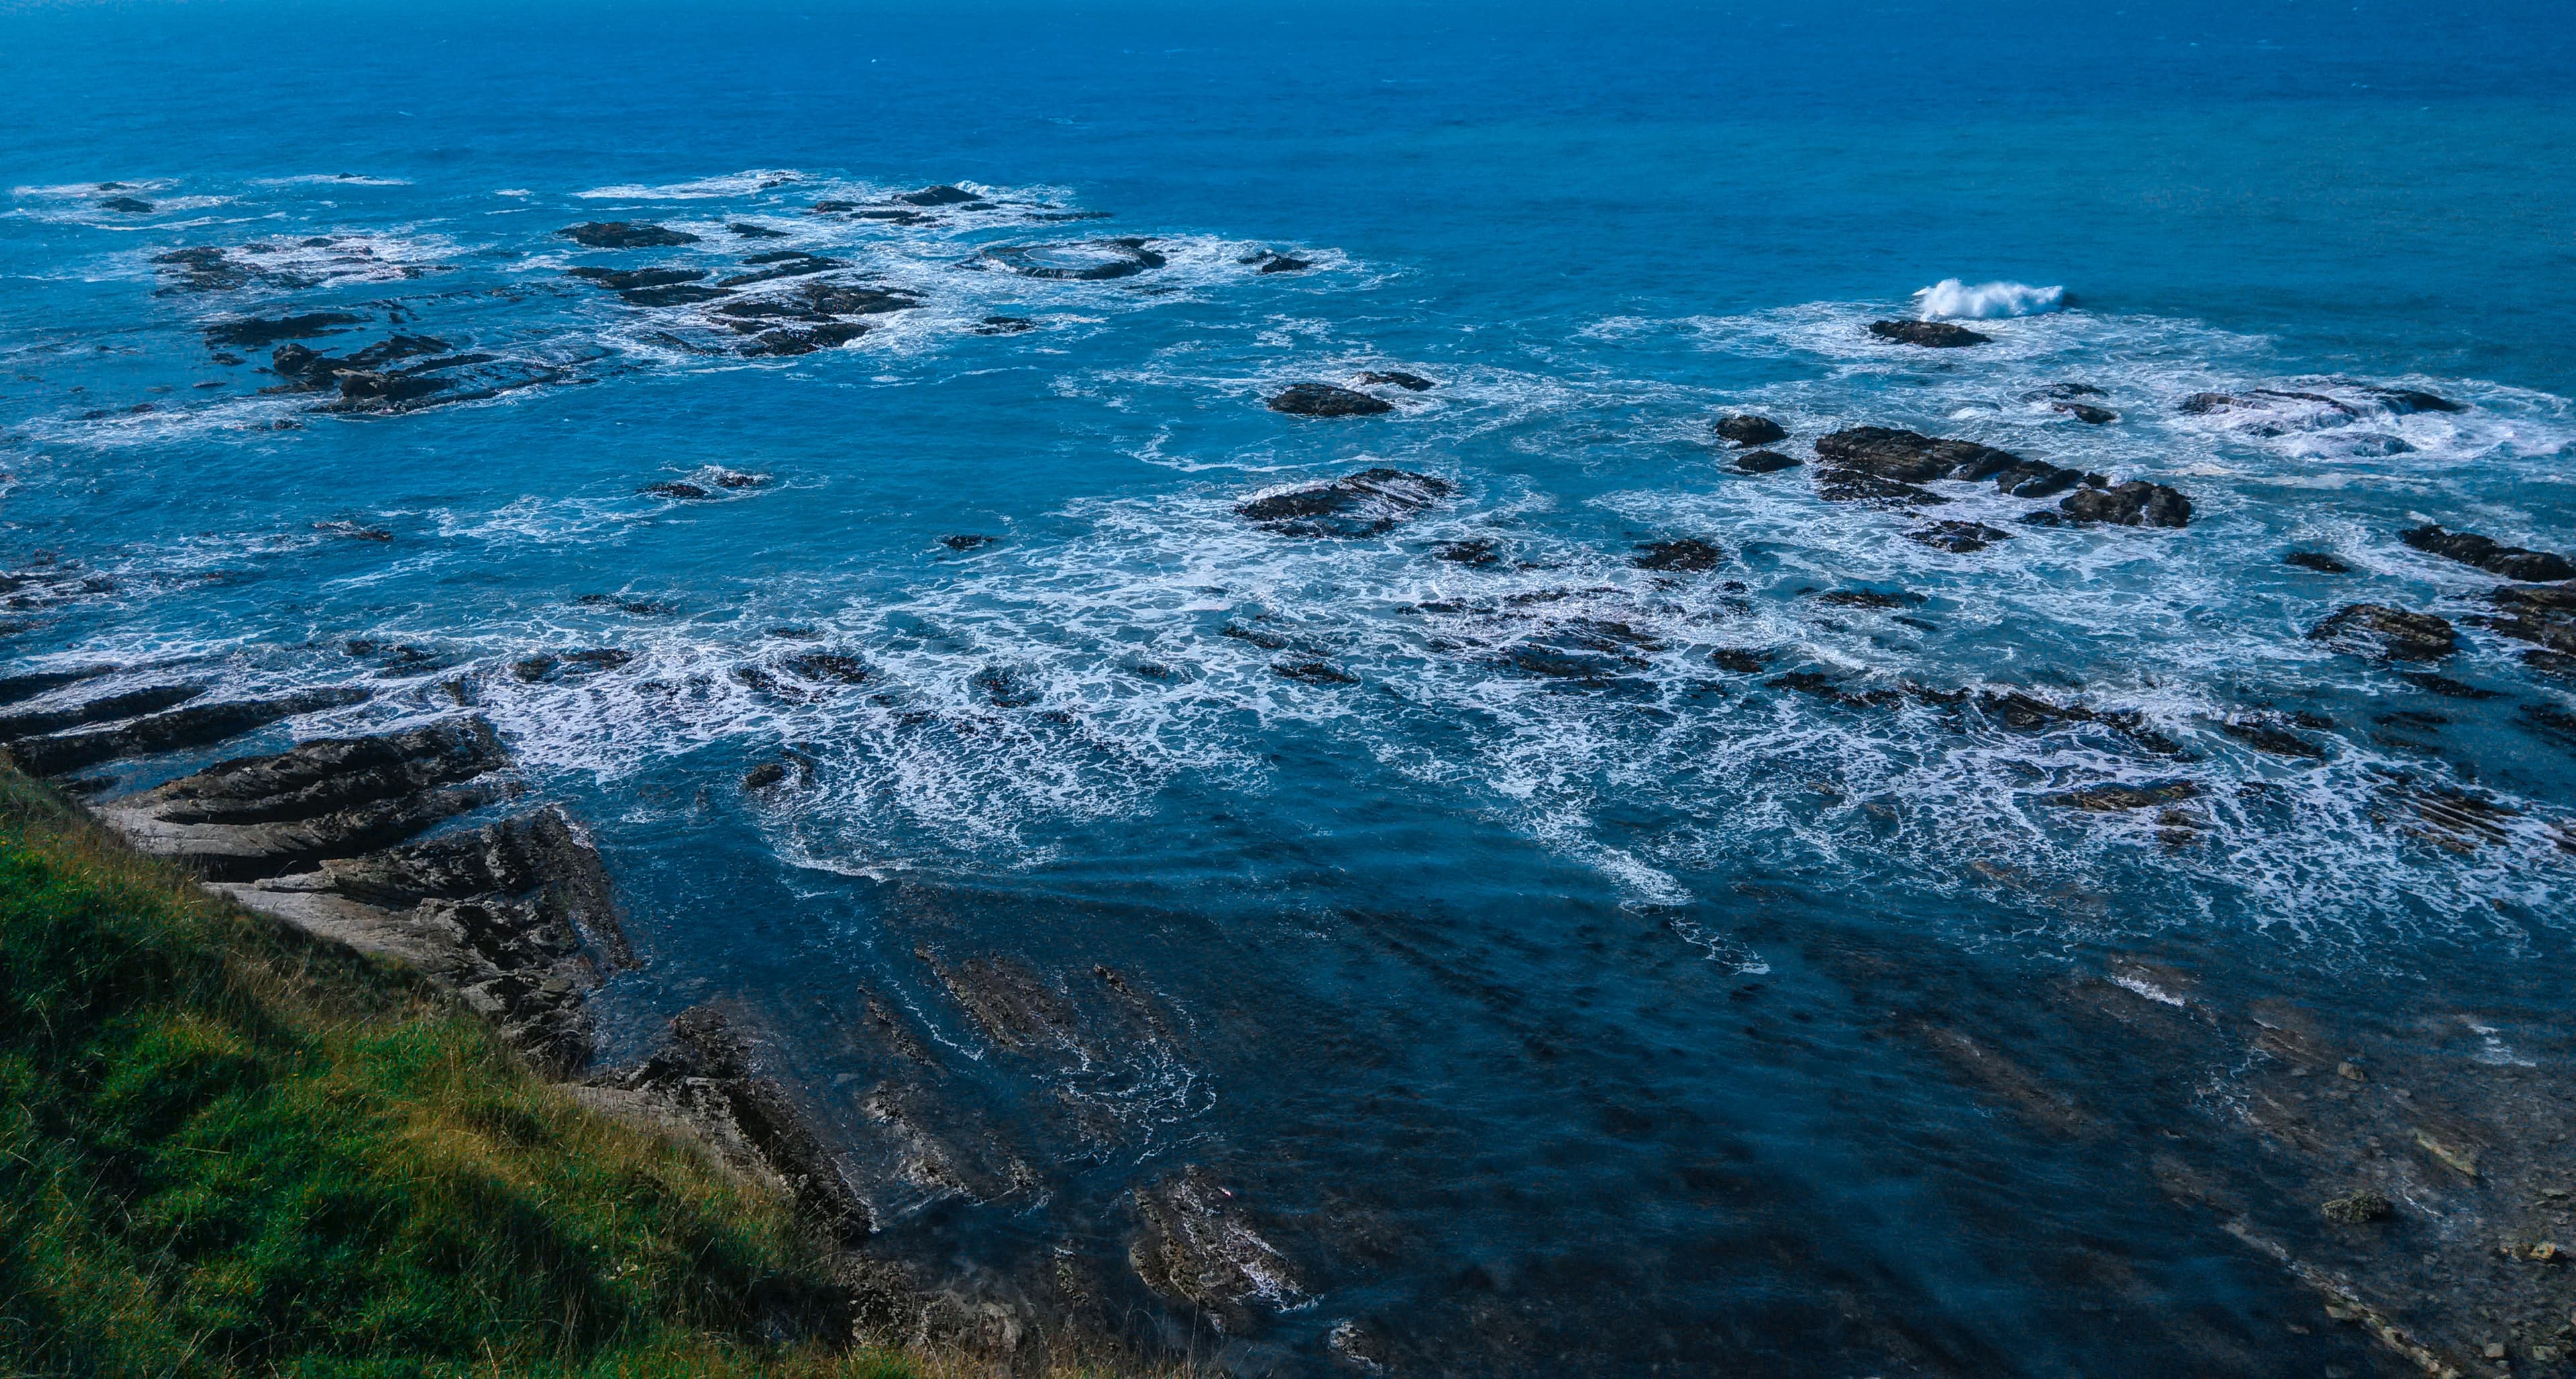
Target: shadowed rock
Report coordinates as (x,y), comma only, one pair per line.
(942,195)
(1958,538)
(335,797)
(2319,561)
(2544,614)
(19,688)
(1194,1246)
(1410,382)
(108,709)
(2136,503)
(1687,555)
(1910,456)
(254,333)
(1763,462)
(1749,430)
(196,725)
(1367,503)
(1327,400)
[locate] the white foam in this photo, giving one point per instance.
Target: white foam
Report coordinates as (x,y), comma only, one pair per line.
(743,183)
(1952,298)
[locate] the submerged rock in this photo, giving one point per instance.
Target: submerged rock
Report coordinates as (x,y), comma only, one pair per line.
(1194,1247)
(794,340)
(2088,414)
(1763,462)
(1749,430)
(1686,555)
(2112,799)
(2543,614)
(1003,325)
(2136,503)
(1482,550)
(1095,260)
(941,195)
(2405,401)
(2468,548)
(1313,673)
(624,234)
(744,229)
(1327,400)
(1368,503)
(2320,561)
(2391,632)
(1929,334)
(1272,261)
(629,279)
(252,333)
(126,205)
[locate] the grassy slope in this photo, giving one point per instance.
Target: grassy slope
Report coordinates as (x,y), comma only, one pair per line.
(224,1152)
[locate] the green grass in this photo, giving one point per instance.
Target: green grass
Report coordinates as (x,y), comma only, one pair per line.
(227,1152)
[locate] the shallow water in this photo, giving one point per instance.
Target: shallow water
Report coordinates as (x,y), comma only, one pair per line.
(1535,1021)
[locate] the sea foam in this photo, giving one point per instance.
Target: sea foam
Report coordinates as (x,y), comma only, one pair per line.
(1953,298)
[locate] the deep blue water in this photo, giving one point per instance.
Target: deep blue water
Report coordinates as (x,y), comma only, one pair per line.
(1449,965)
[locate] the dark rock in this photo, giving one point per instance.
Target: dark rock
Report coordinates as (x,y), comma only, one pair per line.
(195,725)
(2512,562)
(1911,457)
(675,488)
(1272,261)
(744,229)
(2543,614)
(2040,479)
(2112,799)
(1688,555)
(1592,650)
(1194,1247)
(1929,334)
(2260,400)
(2557,665)
(2319,561)
(967,543)
(1004,688)
(1958,538)
(763,776)
(554,666)
(2449,688)
(2390,632)
(19,688)
(2060,392)
(2405,401)
(786,264)
(1410,382)
(2267,736)
(1098,260)
(2359,1207)
(1261,637)
(1749,430)
(1327,400)
(1741,660)
(107,709)
(253,332)
(796,340)
(380,390)
(624,234)
(1482,550)
(1819,685)
(833,666)
(1763,462)
(336,797)
(630,279)
(1868,598)
(226,359)
(2089,414)
(815,302)
(2136,503)
(1003,325)
(1367,503)
(126,205)
(942,195)
(1314,673)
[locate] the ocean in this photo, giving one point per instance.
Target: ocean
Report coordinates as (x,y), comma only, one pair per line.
(1609,912)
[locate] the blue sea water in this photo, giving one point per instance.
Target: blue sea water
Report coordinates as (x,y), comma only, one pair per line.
(1540,1022)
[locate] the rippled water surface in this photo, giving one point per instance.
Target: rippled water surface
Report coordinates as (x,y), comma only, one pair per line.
(1539,946)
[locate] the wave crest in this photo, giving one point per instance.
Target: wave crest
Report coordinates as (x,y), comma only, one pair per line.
(1953,298)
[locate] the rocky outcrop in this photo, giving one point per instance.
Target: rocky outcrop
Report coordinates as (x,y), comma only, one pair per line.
(1368,503)
(1882,465)
(941,195)
(1689,555)
(1939,335)
(1763,462)
(2468,548)
(1747,431)
(194,725)
(2394,633)
(2543,614)
(517,917)
(2088,414)
(333,797)
(1397,378)
(2116,798)
(105,709)
(1958,538)
(625,234)
(1272,261)
(2322,562)
(1327,400)
(2136,503)
(1194,1246)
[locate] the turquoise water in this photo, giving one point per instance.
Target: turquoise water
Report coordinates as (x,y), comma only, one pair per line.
(1449,960)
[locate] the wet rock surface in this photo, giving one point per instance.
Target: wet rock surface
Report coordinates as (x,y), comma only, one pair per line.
(1369,503)
(2395,633)
(1763,462)
(192,725)
(1943,335)
(1098,260)
(1327,400)
(1749,431)
(2494,557)
(2543,614)
(625,234)
(2136,503)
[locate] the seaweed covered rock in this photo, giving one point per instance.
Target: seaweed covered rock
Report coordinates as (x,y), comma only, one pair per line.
(1368,503)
